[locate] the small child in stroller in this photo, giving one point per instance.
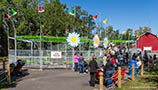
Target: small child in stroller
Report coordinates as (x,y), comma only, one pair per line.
(85,67)
(17,69)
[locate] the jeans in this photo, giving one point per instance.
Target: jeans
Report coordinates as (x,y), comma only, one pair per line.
(81,67)
(76,67)
(130,71)
(121,62)
(92,78)
(145,63)
(108,75)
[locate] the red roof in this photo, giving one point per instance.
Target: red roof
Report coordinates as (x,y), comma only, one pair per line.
(148,40)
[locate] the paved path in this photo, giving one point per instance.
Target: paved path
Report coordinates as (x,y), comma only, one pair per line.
(60,79)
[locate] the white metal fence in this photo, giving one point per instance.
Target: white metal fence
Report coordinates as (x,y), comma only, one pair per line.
(32,58)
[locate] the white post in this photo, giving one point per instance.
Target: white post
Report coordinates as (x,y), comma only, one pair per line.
(58,46)
(51,46)
(31,50)
(41,63)
(80,48)
(89,54)
(65,51)
(73,57)
(95,51)
(73,47)
(8,47)
(14,41)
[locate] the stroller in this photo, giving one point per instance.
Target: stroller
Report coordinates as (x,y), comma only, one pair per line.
(17,69)
(105,80)
(98,74)
(86,67)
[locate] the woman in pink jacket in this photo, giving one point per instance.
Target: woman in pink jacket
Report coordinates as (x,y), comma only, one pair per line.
(76,60)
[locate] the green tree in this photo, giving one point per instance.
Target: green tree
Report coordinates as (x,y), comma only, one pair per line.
(54,20)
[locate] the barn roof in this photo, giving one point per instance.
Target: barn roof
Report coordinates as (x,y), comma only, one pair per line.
(148,33)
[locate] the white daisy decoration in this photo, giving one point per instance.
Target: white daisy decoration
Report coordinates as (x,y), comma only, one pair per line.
(105,42)
(96,41)
(73,39)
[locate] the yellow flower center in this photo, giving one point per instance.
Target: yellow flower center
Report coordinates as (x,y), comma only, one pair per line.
(105,42)
(96,40)
(73,39)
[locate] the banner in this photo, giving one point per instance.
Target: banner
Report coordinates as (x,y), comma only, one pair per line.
(56,54)
(148,48)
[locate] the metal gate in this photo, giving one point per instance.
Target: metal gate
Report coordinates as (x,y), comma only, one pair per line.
(32,58)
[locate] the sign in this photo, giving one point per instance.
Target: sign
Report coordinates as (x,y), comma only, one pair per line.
(148,48)
(55,54)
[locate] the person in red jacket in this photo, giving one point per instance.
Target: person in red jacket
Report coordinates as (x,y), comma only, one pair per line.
(115,62)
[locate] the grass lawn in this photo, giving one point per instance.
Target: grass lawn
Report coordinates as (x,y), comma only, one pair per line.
(4,85)
(149,81)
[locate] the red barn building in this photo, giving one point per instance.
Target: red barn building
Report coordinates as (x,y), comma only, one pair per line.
(148,40)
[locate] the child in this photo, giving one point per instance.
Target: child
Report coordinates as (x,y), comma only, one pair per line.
(139,63)
(85,66)
(76,59)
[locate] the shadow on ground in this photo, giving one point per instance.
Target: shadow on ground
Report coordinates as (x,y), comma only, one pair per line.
(14,80)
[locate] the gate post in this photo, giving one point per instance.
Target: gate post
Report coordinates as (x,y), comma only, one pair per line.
(101,81)
(133,72)
(8,70)
(142,67)
(119,77)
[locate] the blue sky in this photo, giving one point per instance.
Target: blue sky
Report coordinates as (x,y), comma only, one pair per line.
(122,14)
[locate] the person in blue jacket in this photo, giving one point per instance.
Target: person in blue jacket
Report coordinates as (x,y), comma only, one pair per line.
(132,61)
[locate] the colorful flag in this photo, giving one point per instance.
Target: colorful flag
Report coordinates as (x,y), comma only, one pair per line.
(8,16)
(124,32)
(130,33)
(42,26)
(15,21)
(46,34)
(13,12)
(95,17)
(105,21)
(136,30)
(67,31)
(72,12)
(41,9)
(30,24)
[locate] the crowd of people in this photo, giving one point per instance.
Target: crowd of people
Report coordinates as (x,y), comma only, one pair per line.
(114,57)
